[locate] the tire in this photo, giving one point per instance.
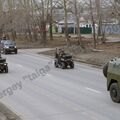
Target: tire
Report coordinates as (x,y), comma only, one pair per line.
(16,52)
(105,69)
(6,69)
(115,92)
(2,71)
(56,64)
(2,51)
(63,65)
(72,65)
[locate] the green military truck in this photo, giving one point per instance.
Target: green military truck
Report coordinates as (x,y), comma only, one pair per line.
(112,72)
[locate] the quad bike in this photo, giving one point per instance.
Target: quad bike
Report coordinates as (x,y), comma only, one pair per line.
(3,65)
(63,60)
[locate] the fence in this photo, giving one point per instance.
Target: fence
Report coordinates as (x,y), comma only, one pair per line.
(111,29)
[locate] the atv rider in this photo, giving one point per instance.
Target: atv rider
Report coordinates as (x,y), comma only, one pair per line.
(60,55)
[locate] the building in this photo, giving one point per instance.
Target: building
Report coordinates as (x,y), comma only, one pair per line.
(85,27)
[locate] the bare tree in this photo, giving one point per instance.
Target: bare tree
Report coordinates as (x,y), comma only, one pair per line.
(99,17)
(93,23)
(66,23)
(42,18)
(51,19)
(116,9)
(77,16)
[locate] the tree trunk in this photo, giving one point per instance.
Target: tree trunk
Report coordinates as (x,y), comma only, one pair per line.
(93,24)
(66,24)
(43,25)
(51,20)
(77,15)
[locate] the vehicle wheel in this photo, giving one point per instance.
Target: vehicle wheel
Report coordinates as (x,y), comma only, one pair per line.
(63,65)
(72,65)
(6,70)
(16,52)
(105,69)
(56,64)
(115,92)
(2,71)
(2,51)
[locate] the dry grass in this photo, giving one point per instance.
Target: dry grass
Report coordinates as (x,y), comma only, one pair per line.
(23,42)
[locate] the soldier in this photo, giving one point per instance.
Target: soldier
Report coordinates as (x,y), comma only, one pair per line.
(56,54)
(60,54)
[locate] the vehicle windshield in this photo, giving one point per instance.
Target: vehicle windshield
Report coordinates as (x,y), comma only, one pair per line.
(2,60)
(9,42)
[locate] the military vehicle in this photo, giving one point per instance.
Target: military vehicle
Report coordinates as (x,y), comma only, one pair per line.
(111,71)
(63,60)
(8,46)
(3,65)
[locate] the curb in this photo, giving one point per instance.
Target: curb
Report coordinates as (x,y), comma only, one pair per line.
(7,114)
(2,116)
(92,64)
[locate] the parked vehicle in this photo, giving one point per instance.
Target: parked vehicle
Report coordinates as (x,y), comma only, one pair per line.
(8,46)
(111,71)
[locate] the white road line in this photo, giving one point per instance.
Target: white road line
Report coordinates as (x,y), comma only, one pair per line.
(93,90)
(49,75)
(19,65)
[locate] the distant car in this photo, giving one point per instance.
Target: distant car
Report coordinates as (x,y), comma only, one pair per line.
(8,46)
(3,65)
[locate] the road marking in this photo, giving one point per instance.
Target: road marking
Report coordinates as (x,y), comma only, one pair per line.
(49,75)
(76,109)
(93,90)
(15,64)
(47,95)
(19,65)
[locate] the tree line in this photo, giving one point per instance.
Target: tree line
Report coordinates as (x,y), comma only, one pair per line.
(30,17)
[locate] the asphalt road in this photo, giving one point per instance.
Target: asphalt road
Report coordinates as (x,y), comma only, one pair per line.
(78,94)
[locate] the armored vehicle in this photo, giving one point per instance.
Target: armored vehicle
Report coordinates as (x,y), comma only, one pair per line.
(3,65)
(63,60)
(111,71)
(8,46)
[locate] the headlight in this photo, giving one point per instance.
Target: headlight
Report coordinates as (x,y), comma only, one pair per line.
(5,64)
(6,46)
(15,46)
